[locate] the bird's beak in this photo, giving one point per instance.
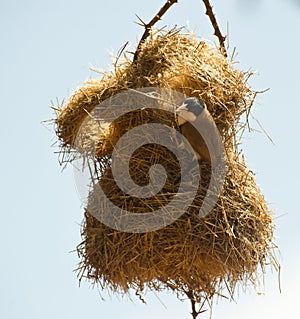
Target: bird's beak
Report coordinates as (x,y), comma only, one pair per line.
(181,108)
(179,112)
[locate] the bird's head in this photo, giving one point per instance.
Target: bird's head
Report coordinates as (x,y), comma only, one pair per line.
(190,109)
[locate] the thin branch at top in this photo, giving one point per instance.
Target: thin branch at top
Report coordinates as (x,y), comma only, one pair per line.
(213,20)
(149,25)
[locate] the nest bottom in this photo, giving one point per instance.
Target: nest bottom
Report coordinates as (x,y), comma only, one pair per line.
(199,254)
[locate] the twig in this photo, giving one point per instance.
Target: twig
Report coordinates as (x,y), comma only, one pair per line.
(262,128)
(194,312)
(213,20)
(119,54)
(149,25)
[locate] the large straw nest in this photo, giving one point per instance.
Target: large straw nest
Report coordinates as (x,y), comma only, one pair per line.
(200,254)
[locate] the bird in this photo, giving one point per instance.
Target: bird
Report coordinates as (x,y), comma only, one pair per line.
(191,114)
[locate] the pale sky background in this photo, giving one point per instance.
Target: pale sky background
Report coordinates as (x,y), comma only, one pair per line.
(46,48)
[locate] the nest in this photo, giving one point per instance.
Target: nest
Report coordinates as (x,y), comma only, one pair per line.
(202,255)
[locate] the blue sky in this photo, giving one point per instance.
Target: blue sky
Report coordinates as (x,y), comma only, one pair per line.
(46,50)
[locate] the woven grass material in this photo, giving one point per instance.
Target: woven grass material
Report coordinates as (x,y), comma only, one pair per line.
(199,254)
(172,61)
(190,254)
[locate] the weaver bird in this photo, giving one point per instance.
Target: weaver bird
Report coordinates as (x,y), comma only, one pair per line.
(192,115)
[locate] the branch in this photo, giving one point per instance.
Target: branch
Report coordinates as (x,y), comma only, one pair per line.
(191,296)
(213,20)
(195,313)
(149,25)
